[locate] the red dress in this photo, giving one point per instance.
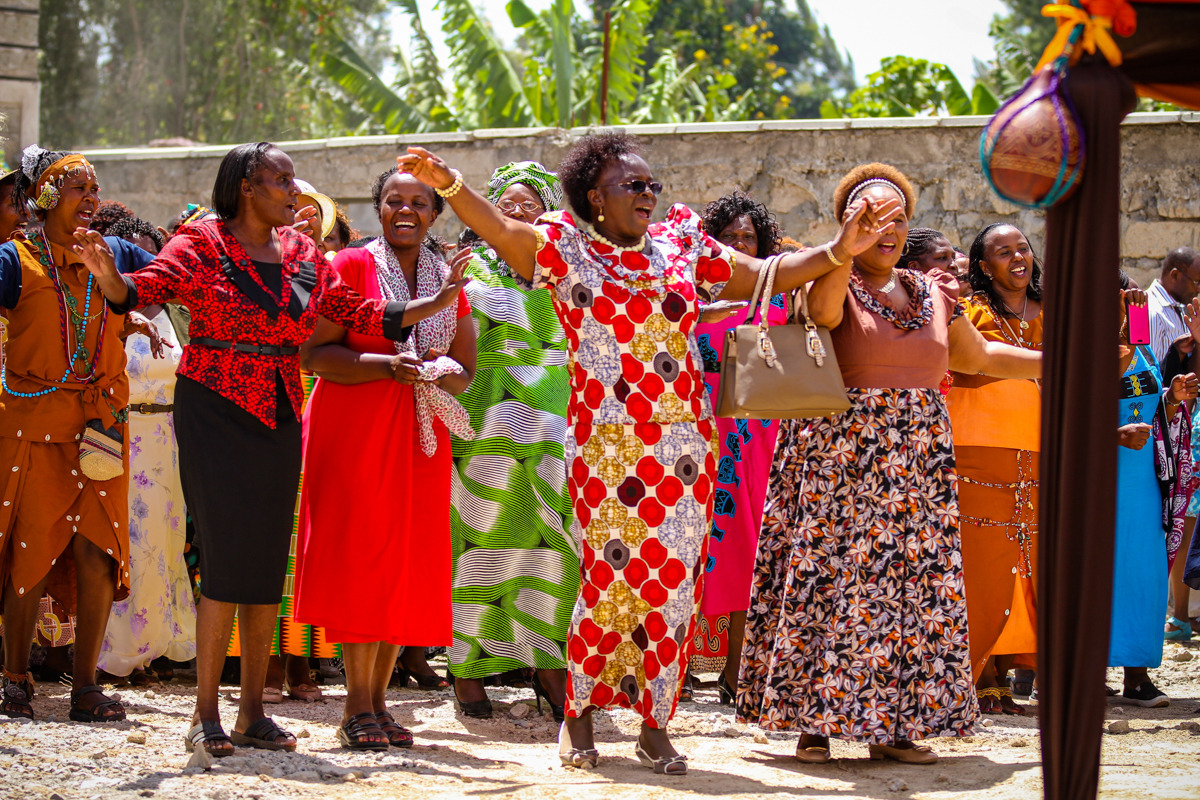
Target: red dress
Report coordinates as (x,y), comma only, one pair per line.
(373,555)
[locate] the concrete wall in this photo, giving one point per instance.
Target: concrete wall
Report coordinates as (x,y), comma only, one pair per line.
(18,77)
(790,166)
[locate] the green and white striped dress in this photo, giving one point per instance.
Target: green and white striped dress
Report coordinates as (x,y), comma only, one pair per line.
(516,566)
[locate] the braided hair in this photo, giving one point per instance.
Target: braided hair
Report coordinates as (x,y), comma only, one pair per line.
(720,213)
(918,244)
(981,283)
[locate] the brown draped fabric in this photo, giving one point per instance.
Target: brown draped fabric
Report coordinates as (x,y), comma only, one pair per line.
(1079,443)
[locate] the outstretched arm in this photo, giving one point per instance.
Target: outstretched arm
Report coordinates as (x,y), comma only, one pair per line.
(98,258)
(513,240)
(971,354)
(864,223)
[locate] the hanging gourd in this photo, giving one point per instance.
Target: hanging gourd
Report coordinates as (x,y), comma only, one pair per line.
(1033,149)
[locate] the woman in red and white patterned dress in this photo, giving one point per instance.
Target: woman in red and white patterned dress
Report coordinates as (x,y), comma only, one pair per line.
(640,426)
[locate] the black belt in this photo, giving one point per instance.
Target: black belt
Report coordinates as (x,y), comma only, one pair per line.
(151,408)
(241,347)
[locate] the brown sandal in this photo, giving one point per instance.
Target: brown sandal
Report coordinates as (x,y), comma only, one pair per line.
(16,692)
(307,692)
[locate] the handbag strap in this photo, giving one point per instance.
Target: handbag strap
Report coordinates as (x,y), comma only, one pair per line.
(804,315)
(770,267)
(757,295)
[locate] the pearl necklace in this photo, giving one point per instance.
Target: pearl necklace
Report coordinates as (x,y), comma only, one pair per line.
(616,248)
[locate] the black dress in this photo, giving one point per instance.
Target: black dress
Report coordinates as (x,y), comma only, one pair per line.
(223,450)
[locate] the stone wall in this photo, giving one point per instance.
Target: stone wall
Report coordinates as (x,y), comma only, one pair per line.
(18,77)
(791,166)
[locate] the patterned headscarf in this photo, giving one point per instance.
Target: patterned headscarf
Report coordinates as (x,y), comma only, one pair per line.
(43,173)
(533,175)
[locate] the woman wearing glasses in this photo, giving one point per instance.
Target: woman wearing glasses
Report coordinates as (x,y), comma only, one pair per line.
(516,572)
(640,427)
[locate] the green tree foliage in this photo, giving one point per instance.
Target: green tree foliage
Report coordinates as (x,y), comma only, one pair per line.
(129,71)
(770,48)
(1020,37)
(909,87)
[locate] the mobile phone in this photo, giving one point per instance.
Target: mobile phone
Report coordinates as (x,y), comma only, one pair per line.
(1139,324)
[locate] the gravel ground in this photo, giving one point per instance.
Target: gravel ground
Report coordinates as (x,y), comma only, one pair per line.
(1158,756)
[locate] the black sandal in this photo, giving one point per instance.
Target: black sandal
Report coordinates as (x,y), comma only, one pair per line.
(351,734)
(264,735)
(94,714)
(397,735)
(209,731)
(16,692)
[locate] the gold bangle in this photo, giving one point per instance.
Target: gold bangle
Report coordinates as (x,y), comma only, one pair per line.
(828,248)
(453,189)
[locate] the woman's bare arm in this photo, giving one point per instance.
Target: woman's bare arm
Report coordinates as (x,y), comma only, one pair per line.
(513,240)
(326,356)
(971,354)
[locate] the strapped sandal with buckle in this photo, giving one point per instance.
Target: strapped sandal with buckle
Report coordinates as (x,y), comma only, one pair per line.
(352,734)
(264,735)
(577,758)
(16,692)
(397,735)
(208,733)
(671,765)
(95,713)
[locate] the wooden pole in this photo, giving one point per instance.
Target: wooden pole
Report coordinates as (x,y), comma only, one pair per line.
(604,71)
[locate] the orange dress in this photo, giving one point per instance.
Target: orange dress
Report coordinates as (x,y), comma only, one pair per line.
(997,434)
(46,497)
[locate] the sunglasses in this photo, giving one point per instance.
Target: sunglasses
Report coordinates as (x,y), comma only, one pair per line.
(639,187)
(529,205)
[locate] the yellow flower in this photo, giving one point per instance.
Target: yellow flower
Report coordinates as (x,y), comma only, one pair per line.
(700,55)
(785,100)
(728,27)
(726,62)
(745,46)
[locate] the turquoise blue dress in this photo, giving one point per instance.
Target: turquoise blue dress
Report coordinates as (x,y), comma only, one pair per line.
(1140,562)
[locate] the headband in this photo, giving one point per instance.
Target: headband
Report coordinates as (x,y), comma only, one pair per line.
(46,189)
(868,183)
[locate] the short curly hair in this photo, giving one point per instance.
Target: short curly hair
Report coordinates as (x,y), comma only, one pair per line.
(718,215)
(132,227)
(865,172)
(109,213)
(439,202)
(587,158)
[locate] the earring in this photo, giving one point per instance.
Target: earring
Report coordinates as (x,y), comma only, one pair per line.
(600,218)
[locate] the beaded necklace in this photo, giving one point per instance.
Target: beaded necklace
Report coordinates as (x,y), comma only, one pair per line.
(75,329)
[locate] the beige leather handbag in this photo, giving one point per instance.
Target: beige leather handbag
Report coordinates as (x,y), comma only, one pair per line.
(780,372)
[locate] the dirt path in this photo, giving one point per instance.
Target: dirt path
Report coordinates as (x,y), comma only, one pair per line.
(512,755)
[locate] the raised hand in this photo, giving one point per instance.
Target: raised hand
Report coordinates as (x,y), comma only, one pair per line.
(426,167)
(96,254)
(1191,316)
(455,280)
(1183,388)
(303,223)
(865,222)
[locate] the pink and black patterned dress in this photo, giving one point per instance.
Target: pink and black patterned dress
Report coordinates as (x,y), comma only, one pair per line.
(640,453)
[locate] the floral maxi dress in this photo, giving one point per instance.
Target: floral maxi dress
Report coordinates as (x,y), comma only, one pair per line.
(640,453)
